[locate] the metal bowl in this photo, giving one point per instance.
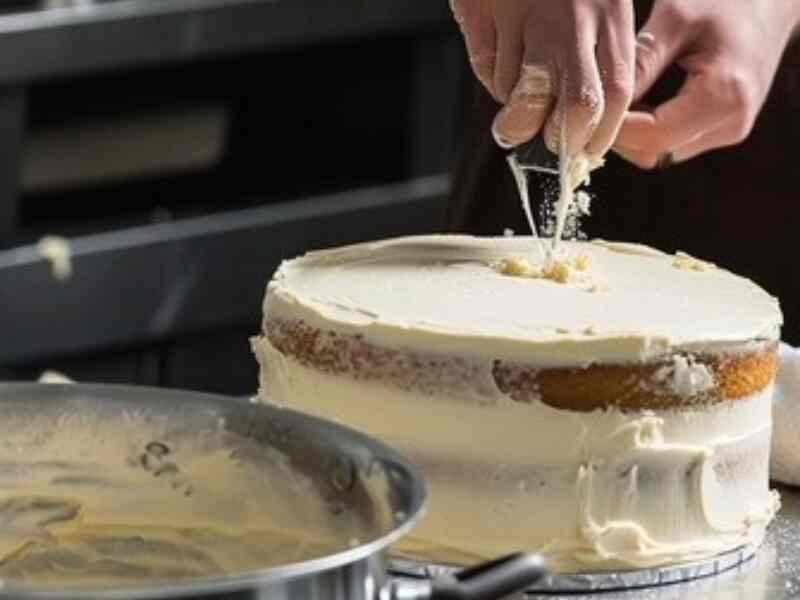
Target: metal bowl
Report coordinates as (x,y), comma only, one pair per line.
(99,458)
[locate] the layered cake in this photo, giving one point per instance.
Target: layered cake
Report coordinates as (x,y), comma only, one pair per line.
(610,410)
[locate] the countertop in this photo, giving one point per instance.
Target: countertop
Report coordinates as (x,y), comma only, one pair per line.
(773,574)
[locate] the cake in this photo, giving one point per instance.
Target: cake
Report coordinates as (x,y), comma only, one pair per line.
(610,410)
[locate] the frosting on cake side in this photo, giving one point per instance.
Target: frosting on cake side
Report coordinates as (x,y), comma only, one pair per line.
(618,418)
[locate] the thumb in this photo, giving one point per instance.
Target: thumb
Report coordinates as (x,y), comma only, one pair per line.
(658,44)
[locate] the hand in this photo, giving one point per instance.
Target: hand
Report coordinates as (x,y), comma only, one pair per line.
(553,63)
(730,51)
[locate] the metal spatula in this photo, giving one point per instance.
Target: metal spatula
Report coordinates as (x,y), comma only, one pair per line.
(535,156)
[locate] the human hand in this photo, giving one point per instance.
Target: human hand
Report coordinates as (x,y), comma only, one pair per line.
(553,64)
(730,51)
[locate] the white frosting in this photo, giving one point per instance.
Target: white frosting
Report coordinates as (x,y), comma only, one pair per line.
(683,376)
(590,490)
(441,294)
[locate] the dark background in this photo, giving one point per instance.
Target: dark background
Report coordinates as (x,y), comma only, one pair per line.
(185,147)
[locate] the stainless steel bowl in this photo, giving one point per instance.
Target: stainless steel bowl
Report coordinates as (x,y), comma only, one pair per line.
(90,446)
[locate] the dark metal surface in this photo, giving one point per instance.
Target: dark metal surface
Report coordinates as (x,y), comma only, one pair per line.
(535,156)
(160,281)
(49,40)
(12,126)
(102,35)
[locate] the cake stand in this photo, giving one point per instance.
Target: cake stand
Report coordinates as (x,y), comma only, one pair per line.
(772,572)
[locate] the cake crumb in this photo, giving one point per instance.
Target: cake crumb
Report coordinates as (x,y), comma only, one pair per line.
(584,202)
(583,262)
(559,270)
(516,266)
(690,263)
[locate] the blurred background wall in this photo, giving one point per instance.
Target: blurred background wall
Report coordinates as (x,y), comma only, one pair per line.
(184,147)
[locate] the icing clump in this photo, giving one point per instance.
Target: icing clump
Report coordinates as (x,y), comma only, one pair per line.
(576,270)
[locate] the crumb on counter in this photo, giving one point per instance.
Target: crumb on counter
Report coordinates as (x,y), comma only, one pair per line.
(54,377)
(58,252)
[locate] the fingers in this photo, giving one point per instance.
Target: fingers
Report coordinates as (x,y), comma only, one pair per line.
(616,58)
(659,42)
(593,79)
(716,107)
(647,159)
(580,97)
(477,25)
(527,109)
(645,137)
(719,138)
(510,51)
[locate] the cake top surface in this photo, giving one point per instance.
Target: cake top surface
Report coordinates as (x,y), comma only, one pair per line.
(612,302)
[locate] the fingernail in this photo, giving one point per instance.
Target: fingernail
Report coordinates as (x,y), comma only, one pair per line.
(503,142)
(623,147)
(501,137)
